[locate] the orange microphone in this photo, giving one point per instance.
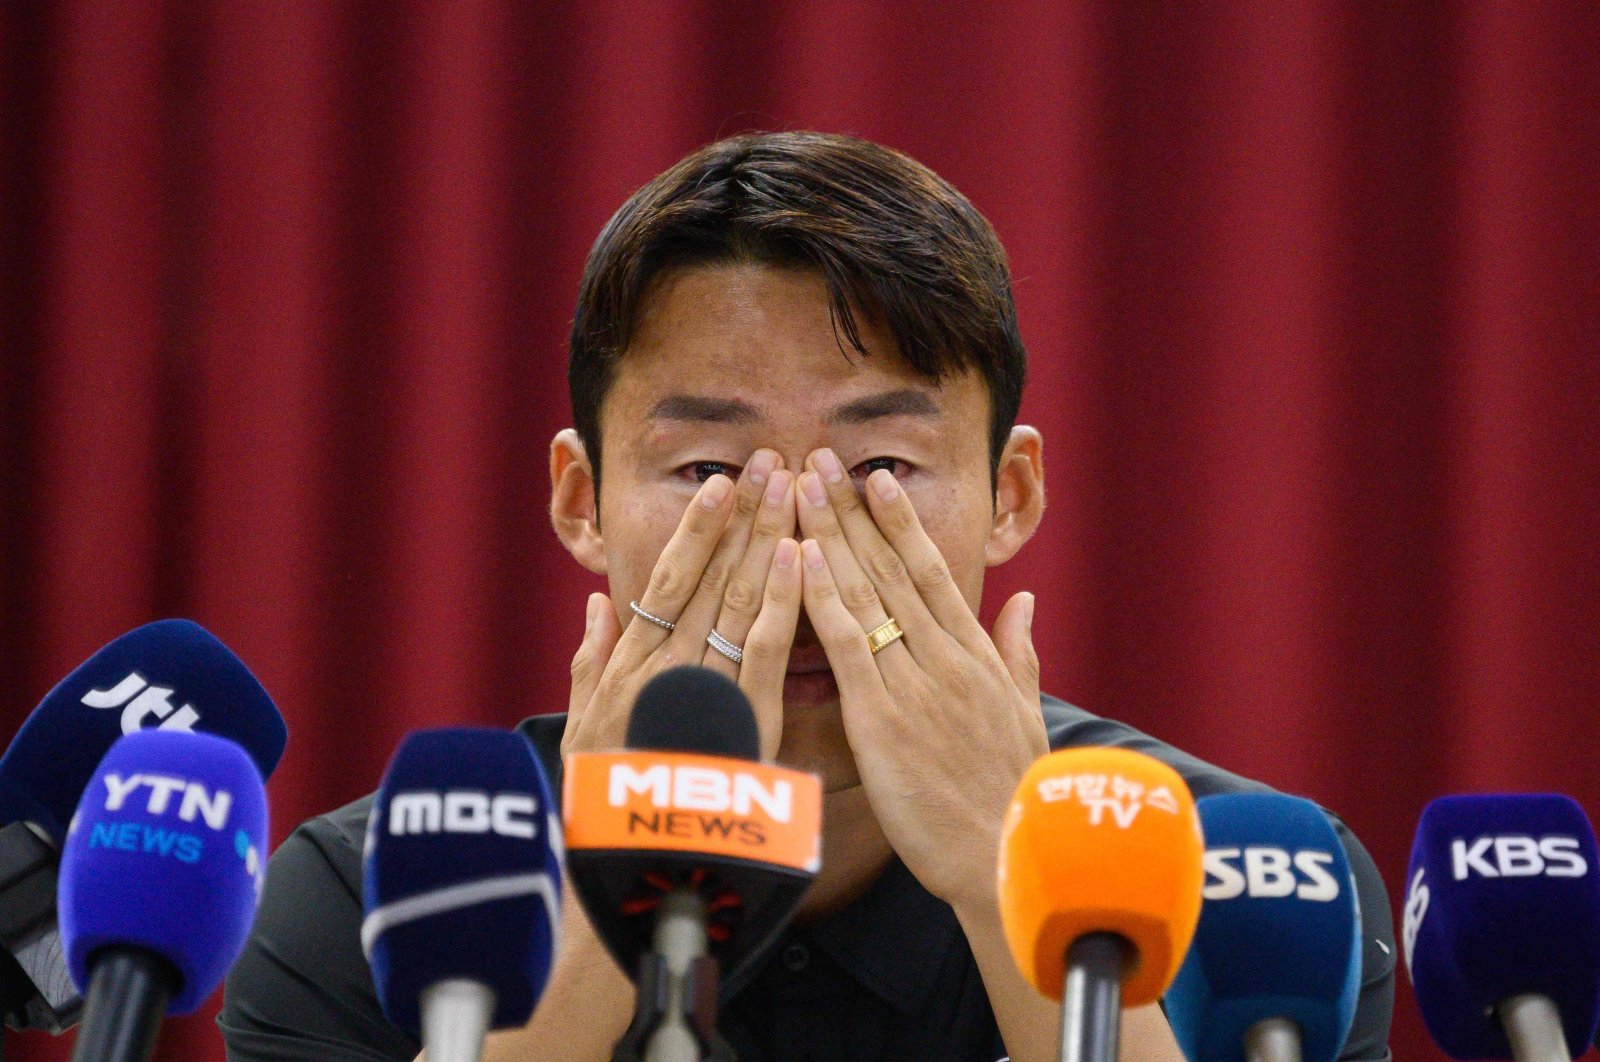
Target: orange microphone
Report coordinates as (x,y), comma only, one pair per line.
(1100,875)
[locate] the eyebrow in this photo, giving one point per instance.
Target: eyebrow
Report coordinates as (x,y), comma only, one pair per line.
(902,403)
(705,409)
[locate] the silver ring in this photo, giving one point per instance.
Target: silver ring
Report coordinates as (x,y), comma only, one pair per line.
(657,620)
(725,647)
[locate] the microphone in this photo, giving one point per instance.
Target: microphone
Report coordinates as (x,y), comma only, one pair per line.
(687,854)
(172,675)
(462,887)
(1502,926)
(160,876)
(1099,882)
(1275,965)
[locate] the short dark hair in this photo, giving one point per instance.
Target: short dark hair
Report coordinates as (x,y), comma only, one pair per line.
(892,240)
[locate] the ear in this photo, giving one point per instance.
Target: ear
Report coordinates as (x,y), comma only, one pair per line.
(1018,495)
(574,509)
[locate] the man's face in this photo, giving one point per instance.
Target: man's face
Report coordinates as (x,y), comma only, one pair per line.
(728,359)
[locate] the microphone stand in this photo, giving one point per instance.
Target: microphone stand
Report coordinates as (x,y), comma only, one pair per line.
(128,993)
(1533,1025)
(1272,1040)
(1091,1000)
(675,1013)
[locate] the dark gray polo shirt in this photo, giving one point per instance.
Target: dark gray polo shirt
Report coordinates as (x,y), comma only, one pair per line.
(886,979)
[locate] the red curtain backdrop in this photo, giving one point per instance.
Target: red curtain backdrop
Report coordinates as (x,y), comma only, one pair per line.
(1312,292)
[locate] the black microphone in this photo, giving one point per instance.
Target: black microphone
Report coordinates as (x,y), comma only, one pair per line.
(687,854)
(170,675)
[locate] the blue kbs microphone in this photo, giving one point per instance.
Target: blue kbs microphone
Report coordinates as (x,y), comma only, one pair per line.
(1275,966)
(1502,926)
(170,675)
(160,877)
(462,887)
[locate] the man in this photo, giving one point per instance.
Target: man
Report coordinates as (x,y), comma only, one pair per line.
(795,370)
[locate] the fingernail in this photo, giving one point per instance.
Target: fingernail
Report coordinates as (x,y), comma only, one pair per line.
(884,484)
(829,466)
(715,490)
(762,462)
(813,554)
(591,613)
(786,553)
(1027,614)
(777,487)
(815,493)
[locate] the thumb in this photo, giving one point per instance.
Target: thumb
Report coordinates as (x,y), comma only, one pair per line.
(1013,638)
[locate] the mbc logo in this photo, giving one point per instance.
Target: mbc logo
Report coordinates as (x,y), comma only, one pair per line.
(143,700)
(463,811)
(1269,873)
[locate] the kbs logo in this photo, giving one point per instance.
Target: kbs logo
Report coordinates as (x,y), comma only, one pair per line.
(1517,856)
(1101,793)
(463,811)
(1270,873)
(143,701)
(702,789)
(1416,910)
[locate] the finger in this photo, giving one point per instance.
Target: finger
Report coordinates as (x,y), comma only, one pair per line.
(854,590)
(876,557)
(897,519)
(697,617)
(742,601)
(860,682)
(766,647)
(677,571)
(1013,639)
(600,633)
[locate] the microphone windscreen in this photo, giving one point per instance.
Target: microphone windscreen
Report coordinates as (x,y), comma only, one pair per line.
(1279,933)
(167,853)
(172,675)
(694,709)
(1503,900)
(1100,840)
(462,873)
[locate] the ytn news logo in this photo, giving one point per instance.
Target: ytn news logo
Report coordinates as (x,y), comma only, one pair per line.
(1267,872)
(143,700)
(1101,793)
(164,795)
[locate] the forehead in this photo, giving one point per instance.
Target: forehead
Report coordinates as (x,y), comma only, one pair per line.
(764,335)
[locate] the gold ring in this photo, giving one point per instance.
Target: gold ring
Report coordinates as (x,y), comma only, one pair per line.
(886,635)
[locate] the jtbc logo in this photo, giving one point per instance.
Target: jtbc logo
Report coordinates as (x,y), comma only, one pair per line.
(150,700)
(1517,856)
(1270,873)
(463,811)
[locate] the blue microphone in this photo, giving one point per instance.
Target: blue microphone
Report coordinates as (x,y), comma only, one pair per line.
(170,675)
(1275,966)
(462,886)
(160,877)
(1502,926)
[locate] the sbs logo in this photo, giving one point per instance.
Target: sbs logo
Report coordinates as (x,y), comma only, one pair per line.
(1269,873)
